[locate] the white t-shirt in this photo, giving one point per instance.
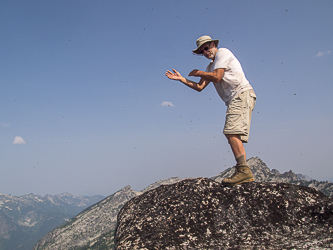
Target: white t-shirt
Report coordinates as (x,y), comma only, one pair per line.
(233,81)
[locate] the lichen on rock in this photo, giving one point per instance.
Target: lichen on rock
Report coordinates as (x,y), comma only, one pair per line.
(201,214)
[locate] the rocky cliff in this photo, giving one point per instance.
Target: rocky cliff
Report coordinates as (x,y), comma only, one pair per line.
(103,214)
(201,214)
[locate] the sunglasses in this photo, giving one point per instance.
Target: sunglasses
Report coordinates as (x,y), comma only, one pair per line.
(205,49)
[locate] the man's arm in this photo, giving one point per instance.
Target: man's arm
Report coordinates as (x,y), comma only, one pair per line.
(175,75)
(214,76)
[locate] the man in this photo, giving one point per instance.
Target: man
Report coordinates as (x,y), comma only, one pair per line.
(229,80)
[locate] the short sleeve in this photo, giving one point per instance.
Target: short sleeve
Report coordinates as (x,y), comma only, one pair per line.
(222,58)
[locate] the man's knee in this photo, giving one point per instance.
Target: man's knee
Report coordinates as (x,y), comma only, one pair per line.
(232,136)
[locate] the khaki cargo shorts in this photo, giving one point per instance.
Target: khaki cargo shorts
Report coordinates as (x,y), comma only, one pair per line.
(239,113)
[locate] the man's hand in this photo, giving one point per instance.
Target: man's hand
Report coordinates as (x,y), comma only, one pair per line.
(175,75)
(194,72)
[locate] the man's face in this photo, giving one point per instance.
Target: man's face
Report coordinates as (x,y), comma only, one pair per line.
(208,50)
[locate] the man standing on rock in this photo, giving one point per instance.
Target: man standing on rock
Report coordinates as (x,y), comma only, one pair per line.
(229,80)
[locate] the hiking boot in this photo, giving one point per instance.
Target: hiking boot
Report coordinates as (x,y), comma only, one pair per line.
(242,174)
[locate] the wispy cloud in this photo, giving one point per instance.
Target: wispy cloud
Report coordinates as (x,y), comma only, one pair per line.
(321,53)
(167,104)
(18,140)
(5,125)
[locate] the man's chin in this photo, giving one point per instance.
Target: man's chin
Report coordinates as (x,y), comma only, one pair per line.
(211,57)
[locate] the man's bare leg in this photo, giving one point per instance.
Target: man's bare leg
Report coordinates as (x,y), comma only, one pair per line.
(236,145)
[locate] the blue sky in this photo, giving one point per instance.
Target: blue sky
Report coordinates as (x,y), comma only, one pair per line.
(86,108)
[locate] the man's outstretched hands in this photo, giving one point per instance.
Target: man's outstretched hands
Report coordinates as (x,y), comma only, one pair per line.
(175,75)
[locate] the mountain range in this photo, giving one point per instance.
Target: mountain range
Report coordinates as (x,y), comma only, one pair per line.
(88,222)
(25,219)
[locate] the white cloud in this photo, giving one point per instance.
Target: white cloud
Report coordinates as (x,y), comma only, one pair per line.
(320,53)
(167,104)
(18,140)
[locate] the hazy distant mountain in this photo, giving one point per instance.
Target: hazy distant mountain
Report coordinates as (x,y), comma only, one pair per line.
(94,227)
(91,226)
(304,177)
(25,219)
(263,174)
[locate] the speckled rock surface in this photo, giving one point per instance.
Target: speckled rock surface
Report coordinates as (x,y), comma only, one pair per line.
(201,214)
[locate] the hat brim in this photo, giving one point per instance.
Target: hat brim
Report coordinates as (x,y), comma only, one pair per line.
(196,51)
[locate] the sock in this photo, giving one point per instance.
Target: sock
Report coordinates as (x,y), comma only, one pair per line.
(241,160)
